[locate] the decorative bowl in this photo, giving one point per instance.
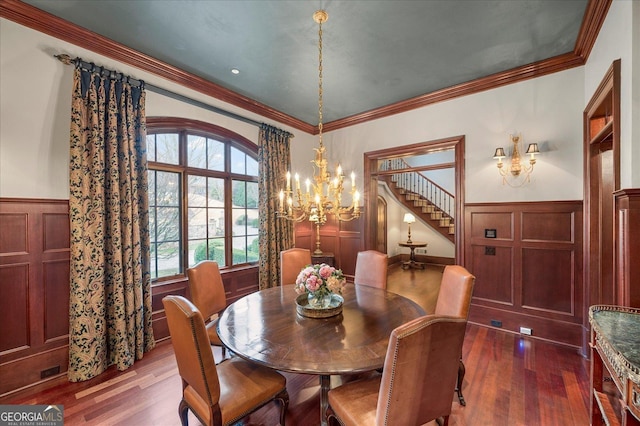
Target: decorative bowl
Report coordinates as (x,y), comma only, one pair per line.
(334,308)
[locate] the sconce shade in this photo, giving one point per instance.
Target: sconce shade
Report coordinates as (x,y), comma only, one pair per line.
(409,218)
(499,154)
(533,149)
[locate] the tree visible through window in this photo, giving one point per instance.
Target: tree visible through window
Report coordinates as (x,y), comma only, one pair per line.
(203,196)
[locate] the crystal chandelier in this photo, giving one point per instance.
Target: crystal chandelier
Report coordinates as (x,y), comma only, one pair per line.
(516,174)
(323,195)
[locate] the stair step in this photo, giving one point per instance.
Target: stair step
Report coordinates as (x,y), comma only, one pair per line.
(452,229)
(436,215)
(445,221)
(420,203)
(428,209)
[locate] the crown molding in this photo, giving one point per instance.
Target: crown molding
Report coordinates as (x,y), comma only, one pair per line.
(44,22)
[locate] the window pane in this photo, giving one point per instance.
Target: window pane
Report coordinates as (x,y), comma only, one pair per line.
(168,258)
(151,187)
(215,152)
(252,221)
(252,194)
(252,249)
(239,250)
(167,224)
(197,151)
(151,147)
(167,148)
(216,192)
(239,193)
(164,223)
(216,251)
(167,189)
(238,161)
(154,260)
(252,166)
(197,191)
(197,223)
(216,222)
(198,251)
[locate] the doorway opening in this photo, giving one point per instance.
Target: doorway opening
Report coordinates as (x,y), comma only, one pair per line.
(376,167)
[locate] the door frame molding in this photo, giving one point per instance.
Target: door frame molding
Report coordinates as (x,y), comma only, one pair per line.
(371,159)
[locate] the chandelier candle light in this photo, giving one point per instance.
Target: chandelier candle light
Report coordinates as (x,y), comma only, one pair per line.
(323,196)
(516,169)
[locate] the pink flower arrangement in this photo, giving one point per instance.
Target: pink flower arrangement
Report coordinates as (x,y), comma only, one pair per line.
(320,279)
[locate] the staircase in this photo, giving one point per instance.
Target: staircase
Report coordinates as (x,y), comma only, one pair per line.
(426,199)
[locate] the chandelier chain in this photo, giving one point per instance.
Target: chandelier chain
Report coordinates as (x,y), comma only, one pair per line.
(320,21)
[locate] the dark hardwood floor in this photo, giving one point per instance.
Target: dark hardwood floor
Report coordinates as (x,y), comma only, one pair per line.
(510,380)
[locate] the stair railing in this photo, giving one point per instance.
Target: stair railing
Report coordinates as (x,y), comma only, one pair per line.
(418,184)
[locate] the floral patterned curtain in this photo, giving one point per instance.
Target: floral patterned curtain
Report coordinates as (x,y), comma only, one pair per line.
(110,295)
(274,159)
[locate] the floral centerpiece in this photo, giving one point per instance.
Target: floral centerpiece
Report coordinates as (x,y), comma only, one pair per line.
(320,282)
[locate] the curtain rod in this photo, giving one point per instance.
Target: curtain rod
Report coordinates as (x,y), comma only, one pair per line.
(67,60)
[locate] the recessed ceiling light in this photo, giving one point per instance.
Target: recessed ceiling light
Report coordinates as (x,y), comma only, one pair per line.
(235,71)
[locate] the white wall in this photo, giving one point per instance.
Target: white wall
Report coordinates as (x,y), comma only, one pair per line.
(35,106)
(438,245)
(546,110)
(616,40)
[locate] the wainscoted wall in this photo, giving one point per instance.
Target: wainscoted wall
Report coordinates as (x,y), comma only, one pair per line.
(342,239)
(527,259)
(34,291)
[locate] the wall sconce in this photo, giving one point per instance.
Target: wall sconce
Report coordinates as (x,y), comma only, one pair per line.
(516,174)
(409,219)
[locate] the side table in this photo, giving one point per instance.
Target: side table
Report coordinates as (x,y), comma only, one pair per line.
(412,263)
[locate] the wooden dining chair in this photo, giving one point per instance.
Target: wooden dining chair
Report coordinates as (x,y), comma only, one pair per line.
(454,299)
(219,394)
(371,269)
(415,387)
(291,263)
(208,294)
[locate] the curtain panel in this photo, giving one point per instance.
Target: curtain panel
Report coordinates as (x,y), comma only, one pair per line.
(110,288)
(274,159)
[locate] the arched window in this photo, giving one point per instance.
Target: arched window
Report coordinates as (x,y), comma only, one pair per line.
(203,196)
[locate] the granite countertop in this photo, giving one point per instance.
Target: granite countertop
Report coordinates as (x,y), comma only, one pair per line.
(620,327)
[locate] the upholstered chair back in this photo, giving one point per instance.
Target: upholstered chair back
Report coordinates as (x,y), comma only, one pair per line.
(291,263)
(206,287)
(456,288)
(371,269)
(420,371)
(193,352)
(218,394)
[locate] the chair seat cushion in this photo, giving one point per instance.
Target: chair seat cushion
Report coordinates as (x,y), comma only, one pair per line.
(245,386)
(355,403)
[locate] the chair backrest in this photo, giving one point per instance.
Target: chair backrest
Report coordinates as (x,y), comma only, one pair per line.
(206,288)
(420,370)
(291,263)
(456,288)
(371,269)
(192,349)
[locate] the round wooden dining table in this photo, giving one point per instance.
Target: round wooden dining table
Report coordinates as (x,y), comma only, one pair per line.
(264,327)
